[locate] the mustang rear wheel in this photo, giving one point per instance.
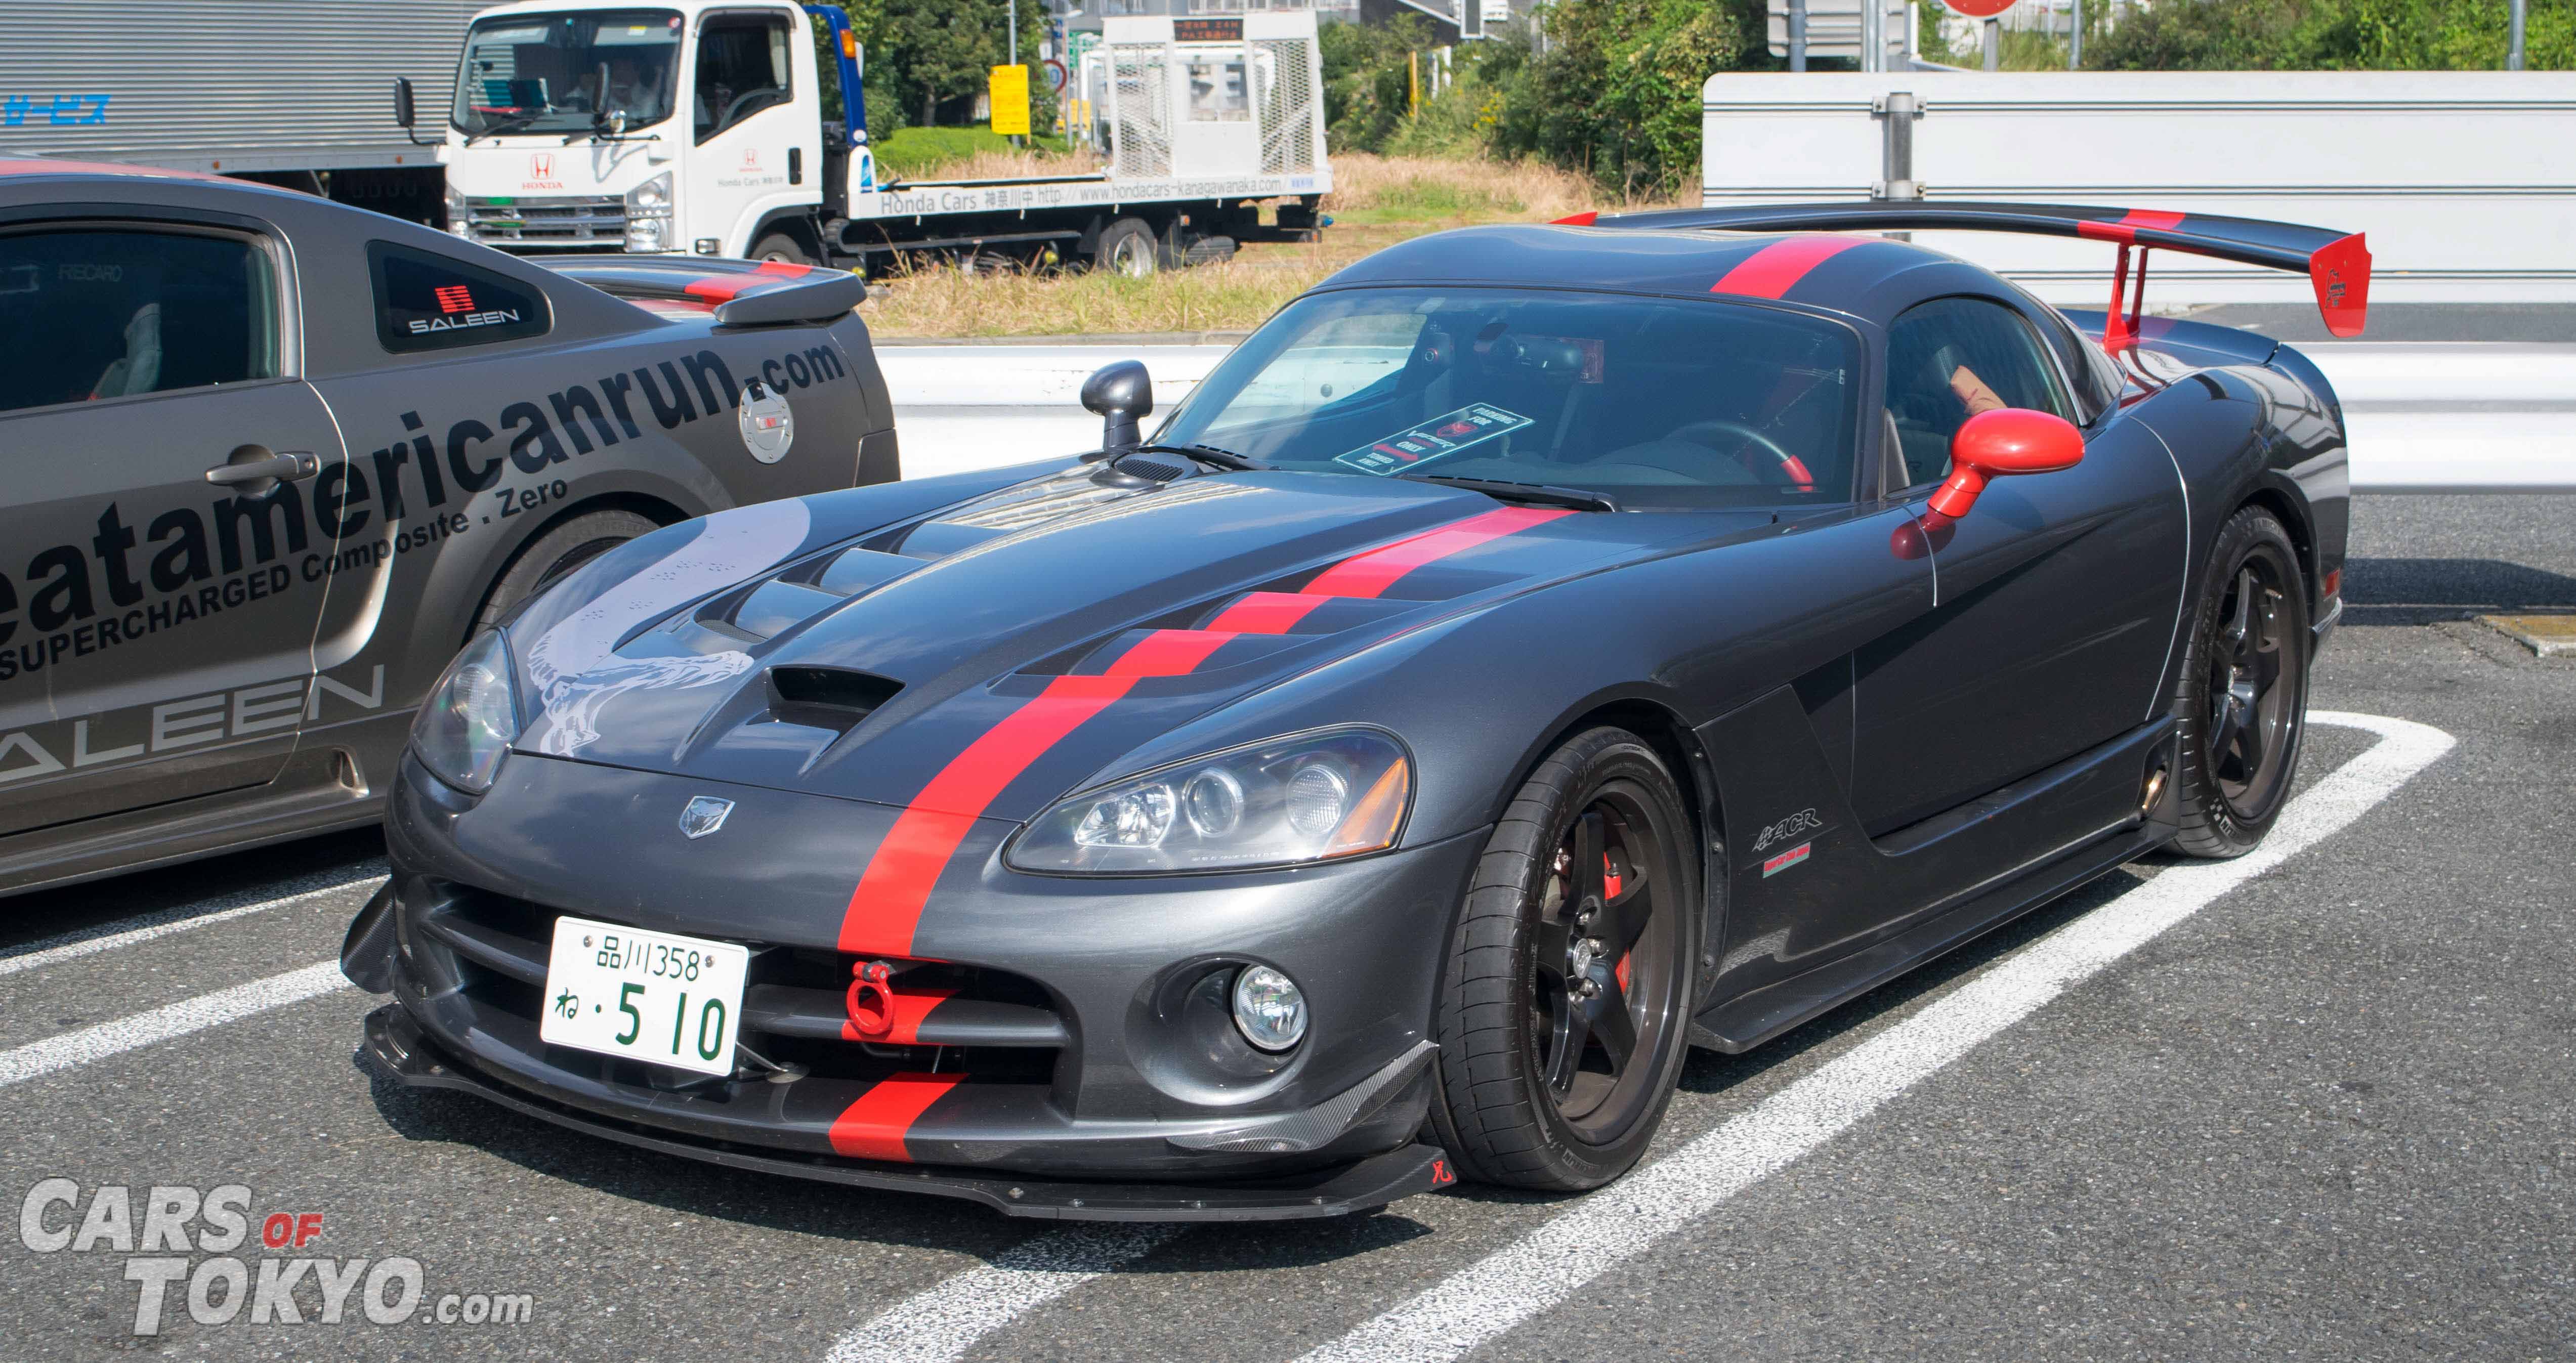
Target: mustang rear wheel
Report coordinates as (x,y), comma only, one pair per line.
(1563,1015)
(2242,705)
(555,553)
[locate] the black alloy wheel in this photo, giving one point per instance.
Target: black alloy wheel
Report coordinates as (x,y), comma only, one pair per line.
(2242,707)
(1564,1012)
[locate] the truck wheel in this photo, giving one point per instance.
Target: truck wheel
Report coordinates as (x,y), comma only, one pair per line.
(780,246)
(555,553)
(1128,247)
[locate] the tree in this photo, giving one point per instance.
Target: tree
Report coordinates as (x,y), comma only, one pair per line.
(927,53)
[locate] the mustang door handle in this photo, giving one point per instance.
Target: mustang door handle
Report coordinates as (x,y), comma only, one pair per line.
(287,464)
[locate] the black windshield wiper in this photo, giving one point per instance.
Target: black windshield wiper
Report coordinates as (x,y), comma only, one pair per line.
(508,125)
(1206,454)
(1505,490)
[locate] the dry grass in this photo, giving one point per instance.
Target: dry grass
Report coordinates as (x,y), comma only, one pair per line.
(995,164)
(1376,202)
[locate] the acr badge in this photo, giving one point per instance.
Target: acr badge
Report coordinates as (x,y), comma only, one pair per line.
(768,427)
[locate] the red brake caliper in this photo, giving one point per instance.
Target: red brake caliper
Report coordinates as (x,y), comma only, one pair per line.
(1610,890)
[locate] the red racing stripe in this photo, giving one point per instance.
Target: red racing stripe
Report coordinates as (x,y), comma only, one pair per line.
(1373,572)
(2125,231)
(1266,612)
(885,910)
(723,288)
(875,1125)
(1777,268)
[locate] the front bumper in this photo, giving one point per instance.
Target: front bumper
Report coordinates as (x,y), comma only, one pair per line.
(1077,1051)
(396,1045)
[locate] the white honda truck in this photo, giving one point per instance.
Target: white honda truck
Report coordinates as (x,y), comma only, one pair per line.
(738,128)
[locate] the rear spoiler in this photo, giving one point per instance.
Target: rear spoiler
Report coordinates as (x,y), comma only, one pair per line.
(2336,263)
(741,293)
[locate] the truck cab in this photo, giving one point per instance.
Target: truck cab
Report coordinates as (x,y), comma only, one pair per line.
(587,126)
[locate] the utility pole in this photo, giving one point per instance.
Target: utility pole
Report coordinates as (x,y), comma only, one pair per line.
(2075,35)
(1013,59)
(1994,44)
(2513,45)
(1873,35)
(1797,35)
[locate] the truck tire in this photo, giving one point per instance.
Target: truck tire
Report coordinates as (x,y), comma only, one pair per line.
(556,552)
(781,246)
(1128,247)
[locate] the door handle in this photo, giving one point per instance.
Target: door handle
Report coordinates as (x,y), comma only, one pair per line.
(282,465)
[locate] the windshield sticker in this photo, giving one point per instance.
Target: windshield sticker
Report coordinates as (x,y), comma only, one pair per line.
(1438,438)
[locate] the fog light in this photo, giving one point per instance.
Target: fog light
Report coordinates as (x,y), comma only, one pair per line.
(1269,1008)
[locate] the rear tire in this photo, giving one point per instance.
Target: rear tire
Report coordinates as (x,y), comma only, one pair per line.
(1552,972)
(556,552)
(780,246)
(2241,707)
(1128,247)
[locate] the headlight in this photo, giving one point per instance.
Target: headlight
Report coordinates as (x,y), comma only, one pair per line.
(648,215)
(466,726)
(1308,797)
(460,214)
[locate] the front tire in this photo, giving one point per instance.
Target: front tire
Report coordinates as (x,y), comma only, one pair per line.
(779,246)
(1564,1006)
(2241,708)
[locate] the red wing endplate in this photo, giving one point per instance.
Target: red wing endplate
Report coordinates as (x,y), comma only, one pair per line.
(2336,263)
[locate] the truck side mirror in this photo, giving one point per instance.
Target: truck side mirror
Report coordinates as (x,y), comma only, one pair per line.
(1120,393)
(404,116)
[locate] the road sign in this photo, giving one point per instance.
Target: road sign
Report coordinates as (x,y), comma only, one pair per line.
(1978,9)
(1010,92)
(1055,75)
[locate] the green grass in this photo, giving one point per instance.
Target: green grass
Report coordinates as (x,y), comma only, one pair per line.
(923,151)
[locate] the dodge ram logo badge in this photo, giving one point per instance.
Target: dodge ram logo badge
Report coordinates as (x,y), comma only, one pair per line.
(768,428)
(705,814)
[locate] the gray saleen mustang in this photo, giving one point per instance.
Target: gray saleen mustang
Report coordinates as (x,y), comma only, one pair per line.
(1536,651)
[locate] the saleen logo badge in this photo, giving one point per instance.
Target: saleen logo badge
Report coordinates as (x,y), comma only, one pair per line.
(422,326)
(705,814)
(1786,860)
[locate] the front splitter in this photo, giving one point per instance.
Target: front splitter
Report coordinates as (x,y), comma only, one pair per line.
(397,1046)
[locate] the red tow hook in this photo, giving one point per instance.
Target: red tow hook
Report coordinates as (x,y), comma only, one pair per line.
(870,1002)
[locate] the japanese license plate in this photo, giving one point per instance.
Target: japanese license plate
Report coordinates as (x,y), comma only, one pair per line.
(651,996)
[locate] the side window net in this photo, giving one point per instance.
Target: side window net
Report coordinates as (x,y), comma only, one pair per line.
(429,302)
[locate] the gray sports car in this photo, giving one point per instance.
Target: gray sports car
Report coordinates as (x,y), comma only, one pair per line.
(272,459)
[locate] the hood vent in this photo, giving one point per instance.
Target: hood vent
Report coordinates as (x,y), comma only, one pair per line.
(827,697)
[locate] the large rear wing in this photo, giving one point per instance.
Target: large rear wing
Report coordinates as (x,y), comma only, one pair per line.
(2336,263)
(740,293)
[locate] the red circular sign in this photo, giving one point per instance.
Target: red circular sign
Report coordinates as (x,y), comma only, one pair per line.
(1978,9)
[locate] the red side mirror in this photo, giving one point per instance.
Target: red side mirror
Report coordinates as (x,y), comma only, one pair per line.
(2004,441)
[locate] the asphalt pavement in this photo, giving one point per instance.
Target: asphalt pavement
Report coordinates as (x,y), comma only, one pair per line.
(2313,1105)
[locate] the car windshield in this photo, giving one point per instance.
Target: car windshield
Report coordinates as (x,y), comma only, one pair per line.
(559,73)
(1658,403)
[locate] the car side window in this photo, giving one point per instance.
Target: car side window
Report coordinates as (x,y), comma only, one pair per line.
(425,301)
(1948,360)
(108,311)
(742,69)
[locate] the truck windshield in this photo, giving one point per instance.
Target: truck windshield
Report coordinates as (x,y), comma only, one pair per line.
(559,73)
(1660,403)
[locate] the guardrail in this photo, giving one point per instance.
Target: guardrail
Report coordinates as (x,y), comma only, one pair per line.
(2424,418)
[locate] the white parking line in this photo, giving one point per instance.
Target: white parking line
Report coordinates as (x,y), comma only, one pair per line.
(40,1058)
(110,936)
(1605,1229)
(942,1322)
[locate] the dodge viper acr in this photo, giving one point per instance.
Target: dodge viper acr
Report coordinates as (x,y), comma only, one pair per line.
(271,460)
(1536,651)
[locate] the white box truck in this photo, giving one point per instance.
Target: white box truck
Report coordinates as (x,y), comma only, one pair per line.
(700,127)
(289,92)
